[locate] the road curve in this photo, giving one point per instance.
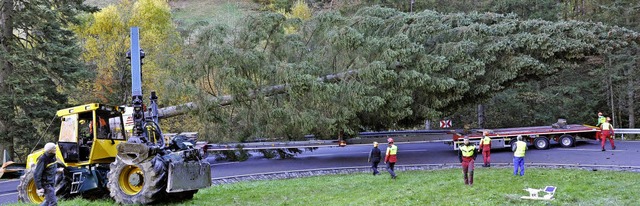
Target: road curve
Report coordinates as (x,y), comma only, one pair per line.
(585,153)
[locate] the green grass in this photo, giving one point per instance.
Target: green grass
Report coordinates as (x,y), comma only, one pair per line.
(441,187)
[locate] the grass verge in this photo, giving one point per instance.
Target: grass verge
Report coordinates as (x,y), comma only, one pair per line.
(492,186)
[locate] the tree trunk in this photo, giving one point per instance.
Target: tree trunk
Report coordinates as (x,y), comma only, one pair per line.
(6,34)
(225,100)
(631,97)
(611,101)
(427,124)
(481,122)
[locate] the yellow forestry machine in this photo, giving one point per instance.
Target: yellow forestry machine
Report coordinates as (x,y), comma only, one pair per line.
(99,158)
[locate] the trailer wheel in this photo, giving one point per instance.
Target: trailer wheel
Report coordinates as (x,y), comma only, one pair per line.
(541,142)
(567,140)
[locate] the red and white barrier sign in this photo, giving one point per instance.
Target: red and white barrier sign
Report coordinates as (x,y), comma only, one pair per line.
(445,123)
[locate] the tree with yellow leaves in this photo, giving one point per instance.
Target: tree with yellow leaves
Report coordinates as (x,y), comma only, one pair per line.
(105,37)
(299,10)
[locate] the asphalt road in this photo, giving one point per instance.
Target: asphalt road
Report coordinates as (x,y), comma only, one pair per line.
(586,152)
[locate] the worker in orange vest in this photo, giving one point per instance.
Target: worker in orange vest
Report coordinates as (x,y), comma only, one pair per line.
(485,147)
(467,156)
(606,130)
(390,157)
(101,123)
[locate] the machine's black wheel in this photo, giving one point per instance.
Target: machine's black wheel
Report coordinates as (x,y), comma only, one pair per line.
(541,142)
(141,183)
(27,188)
(63,184)
(567,140)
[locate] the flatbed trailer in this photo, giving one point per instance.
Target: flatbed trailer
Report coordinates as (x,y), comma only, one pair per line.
(540,137)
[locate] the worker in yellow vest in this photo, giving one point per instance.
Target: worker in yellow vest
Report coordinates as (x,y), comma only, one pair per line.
(606,130)
(391,158)
(467,156)
(518,156)
(601,119)
(485,147)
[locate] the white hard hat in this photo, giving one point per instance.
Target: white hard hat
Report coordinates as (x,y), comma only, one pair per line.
(49,146)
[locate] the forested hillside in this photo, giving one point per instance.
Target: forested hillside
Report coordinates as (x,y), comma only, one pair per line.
(485,63)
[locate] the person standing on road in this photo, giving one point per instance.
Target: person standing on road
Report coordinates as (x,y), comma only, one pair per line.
(601,119)
(606,130)
(374,158)
(467,156)
(485,146)
(45,175)
(518,156)
(391,158)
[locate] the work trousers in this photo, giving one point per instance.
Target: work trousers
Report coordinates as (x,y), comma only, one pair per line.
(467,170)
(486,156)
(606,134)
(390,169)
(50,198)
(518,163)
(374,167)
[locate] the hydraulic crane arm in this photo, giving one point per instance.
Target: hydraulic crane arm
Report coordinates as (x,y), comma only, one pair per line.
(142,123)
(136,82)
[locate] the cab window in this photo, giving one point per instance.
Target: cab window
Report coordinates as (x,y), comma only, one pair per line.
(69,128)
(109,127)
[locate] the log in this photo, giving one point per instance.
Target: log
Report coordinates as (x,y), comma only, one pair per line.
(225,100)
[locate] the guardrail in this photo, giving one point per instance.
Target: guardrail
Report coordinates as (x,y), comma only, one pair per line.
(362,138)
(627,131)
(623,131)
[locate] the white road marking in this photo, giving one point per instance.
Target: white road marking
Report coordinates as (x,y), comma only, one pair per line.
(16,180)
(598,150)
(324,155)
(225,163)
(2,195)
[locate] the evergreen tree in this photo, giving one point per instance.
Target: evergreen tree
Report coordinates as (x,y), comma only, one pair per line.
(408,67)
(39,60)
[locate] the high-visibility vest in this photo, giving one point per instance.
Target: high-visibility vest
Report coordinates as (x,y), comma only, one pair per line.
(601,119)
(606,126)
(467,150)
(486,140)
(521,147)
(393,150)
